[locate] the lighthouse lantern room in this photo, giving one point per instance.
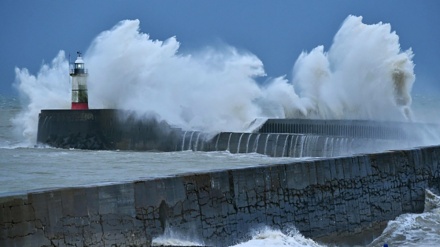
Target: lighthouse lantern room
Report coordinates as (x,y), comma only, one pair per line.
(79,84)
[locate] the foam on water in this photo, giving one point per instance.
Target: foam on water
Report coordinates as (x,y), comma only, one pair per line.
(364,75)
(409,230)
(264,236)
(272,237)
(172,237)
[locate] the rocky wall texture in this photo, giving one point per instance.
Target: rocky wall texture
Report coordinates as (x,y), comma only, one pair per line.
(319,197)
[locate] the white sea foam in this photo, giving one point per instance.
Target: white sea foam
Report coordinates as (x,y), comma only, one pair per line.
(409,230)
(271,237)
(49,89)
(406,230)
(265,236)
(364,75)
(172,237)
(211,90)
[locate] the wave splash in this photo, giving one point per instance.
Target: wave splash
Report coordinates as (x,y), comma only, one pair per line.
(212,90)
(264,236)
(173,237)
(271,237)
(364,75)
(49,89)
(414,229)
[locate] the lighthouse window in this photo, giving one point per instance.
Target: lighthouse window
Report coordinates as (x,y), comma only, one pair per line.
(79,65)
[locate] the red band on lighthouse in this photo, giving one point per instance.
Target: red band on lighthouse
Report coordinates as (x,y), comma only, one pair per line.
(80,106)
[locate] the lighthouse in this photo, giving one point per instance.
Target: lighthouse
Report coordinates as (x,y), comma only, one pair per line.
(79,84)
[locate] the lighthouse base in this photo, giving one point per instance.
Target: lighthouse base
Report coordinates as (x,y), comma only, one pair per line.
(80,106)
(105,129)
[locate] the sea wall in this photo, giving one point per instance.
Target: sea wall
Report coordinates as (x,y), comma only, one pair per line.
(319,197)
(109,129)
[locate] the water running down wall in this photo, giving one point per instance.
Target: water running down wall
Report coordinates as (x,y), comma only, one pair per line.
(319,197)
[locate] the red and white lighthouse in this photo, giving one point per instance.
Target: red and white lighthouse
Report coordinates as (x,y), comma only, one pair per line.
(79,84)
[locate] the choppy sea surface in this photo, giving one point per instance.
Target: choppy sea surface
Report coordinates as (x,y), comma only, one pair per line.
(25,167)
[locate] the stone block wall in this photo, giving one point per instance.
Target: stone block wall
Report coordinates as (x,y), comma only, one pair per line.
(318,197)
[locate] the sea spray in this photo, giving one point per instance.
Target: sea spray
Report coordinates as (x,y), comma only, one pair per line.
(173,237)
(364,75)
(49,89)
(210,91)
(263,236)
(267,236)
(414,229)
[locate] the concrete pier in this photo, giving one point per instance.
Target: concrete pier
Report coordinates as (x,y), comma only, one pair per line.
(115,129)
(321,197)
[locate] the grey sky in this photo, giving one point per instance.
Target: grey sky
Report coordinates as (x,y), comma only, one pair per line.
(32,32)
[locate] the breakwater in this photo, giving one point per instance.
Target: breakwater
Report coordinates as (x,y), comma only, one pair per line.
(319,197)
(114,129)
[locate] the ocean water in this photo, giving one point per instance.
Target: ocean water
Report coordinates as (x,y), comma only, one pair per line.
(363,75)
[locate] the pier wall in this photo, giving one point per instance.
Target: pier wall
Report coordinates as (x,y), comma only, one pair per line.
(109,129)
(319,197)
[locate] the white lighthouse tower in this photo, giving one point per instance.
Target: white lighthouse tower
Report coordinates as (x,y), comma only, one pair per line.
(79,84)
